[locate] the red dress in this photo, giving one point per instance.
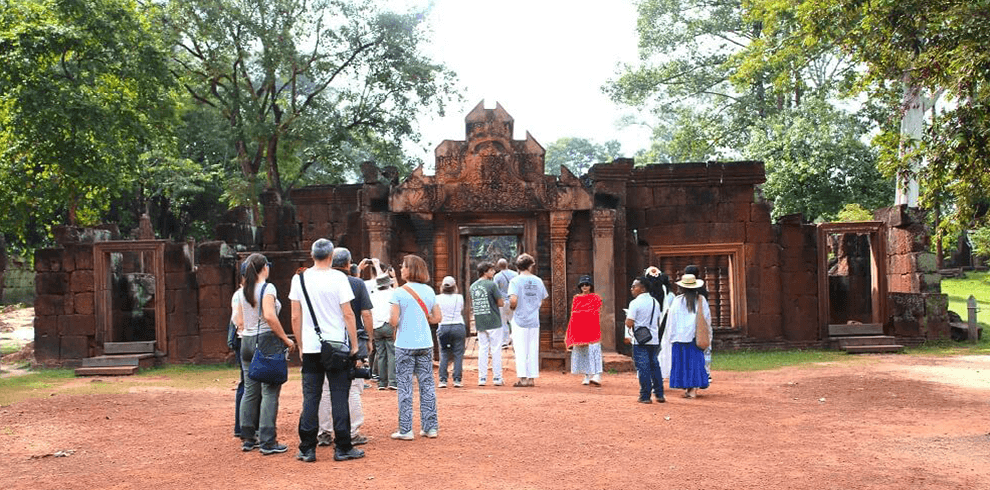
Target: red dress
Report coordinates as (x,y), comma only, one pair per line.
(584,327)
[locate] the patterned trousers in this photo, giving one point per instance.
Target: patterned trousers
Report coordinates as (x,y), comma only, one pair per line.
(418,363)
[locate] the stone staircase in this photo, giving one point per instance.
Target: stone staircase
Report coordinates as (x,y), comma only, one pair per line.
(119,359)
(862,338)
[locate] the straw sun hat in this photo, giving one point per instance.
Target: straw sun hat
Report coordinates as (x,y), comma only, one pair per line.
(690,282)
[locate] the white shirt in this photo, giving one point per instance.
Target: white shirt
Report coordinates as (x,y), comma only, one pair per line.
(681,322)
(451,306)
(330,291)
(645,312)
(254,324)
(381,307)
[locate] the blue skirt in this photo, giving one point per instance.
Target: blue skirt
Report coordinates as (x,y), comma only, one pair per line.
(687,366)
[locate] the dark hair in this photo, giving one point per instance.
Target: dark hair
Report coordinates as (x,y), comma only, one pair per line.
(691,297)
(255,264)
(524,262)
(448,289)
(484,267)
(416,269)
(693,269)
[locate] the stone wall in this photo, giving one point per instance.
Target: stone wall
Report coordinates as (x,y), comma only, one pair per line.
(17,283)
(64,308)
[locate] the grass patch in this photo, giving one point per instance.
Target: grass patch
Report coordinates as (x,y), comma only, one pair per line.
(9,348)
(753,360)
(959,289)
(34,385)
(952,348)
(193,376)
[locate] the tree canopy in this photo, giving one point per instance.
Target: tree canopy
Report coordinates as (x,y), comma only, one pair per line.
(579,154)
(84,91)
(308,88)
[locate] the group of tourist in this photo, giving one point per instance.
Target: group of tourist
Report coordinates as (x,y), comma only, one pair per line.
(332,310)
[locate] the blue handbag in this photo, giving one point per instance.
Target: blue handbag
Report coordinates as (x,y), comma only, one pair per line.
(267,368)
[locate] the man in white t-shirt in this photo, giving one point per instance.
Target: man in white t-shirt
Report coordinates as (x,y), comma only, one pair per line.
(327,295)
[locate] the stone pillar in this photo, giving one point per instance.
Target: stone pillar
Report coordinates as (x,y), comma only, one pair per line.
(379,235)
(560,222)
(603,250)
(423,227)
(441,255)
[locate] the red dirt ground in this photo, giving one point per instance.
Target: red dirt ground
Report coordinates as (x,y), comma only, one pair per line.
(882,422)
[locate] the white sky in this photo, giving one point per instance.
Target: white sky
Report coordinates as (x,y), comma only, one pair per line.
(544,61)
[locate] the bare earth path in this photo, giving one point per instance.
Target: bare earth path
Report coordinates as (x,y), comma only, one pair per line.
(883,422)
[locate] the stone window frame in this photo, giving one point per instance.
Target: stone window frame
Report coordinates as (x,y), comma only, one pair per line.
(878,268)
(739,316)
(101,288)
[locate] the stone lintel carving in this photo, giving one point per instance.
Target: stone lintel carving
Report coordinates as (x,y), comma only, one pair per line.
(559,226)
(603,221)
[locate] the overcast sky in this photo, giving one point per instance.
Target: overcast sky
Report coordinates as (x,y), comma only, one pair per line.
(543,60)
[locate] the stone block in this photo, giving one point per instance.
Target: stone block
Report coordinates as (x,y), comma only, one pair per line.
(51,283)
(768,254)
(667,196)
(76,325)
(81,281)
(185,348)
(739,194)
(213,346)
(45,325)
(48,260)
(46,347)
(182,323)
(732,212)
(800,315)
(660,216)
(770,292)
(49,305)
(726,232)
(640,196)
(83,303)
(894,216)
(752,301)
(73,347)
(212,252)
(208,275)
(765,327)
(636,218)
(177,300)
(693,215)
(215,319)
(759,212)
(82,256)
(209,297)
(180,280)
(177,257)
(702,197)
(904,242)
(760,232)
(899,283)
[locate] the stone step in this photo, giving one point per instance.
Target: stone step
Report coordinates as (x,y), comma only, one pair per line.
(107,371)
(849,329)
(873,349)
(140,360)
(865,340)
(143,347)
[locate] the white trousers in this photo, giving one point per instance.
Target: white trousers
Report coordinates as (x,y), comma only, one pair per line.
(526,344)
(490,342)
(506,318)
(353,403)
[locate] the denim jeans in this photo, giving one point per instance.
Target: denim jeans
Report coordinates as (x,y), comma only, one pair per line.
(385,355)
(240,388)
(313,375)
(455,352)
(648,368)
(418,363)
(259,405)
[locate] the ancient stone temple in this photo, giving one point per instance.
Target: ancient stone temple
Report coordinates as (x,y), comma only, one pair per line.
(784,284)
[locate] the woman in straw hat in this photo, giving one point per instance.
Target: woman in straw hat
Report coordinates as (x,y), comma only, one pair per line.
(687,369)
(584,333)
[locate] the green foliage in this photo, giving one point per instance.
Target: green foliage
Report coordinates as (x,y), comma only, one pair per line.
(939,49)
(854,212)
(307,90)
(816,162)
(959,289)
(980,238)
(579,154)
(84,91)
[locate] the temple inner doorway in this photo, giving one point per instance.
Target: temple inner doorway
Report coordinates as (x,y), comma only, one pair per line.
(476,249)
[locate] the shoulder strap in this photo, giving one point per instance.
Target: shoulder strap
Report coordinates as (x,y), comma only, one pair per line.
(418,300)
(309,304)
(261,299)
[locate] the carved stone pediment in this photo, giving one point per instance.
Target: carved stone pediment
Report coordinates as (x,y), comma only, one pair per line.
(489,172)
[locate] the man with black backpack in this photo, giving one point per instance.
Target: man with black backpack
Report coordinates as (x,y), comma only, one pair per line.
(323,322)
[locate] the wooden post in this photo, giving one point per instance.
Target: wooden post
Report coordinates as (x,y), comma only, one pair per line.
(971,306)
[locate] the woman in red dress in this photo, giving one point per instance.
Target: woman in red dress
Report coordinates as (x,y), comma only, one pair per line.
(584,333)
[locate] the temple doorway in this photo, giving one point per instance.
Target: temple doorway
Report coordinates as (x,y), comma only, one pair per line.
(480,245)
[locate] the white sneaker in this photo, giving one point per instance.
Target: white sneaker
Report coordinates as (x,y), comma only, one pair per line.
(482,382)
(403,436)
(458,384)
(442,384)
(431,434)
(499,382)
(587,379)
(596,379)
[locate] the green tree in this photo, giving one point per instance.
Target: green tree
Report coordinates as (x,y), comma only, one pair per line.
(84,91)
(579,154)
(308,86)
(816,162)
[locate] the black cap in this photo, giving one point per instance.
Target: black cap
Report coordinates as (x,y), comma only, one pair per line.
(585,279)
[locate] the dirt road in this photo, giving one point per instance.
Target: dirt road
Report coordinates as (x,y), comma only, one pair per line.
(885,422)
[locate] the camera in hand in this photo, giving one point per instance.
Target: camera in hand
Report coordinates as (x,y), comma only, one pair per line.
(360,372)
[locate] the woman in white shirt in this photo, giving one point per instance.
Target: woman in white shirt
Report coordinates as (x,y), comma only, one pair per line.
(687,368)
(451,333)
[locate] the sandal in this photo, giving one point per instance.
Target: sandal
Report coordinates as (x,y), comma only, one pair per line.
(520,384)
